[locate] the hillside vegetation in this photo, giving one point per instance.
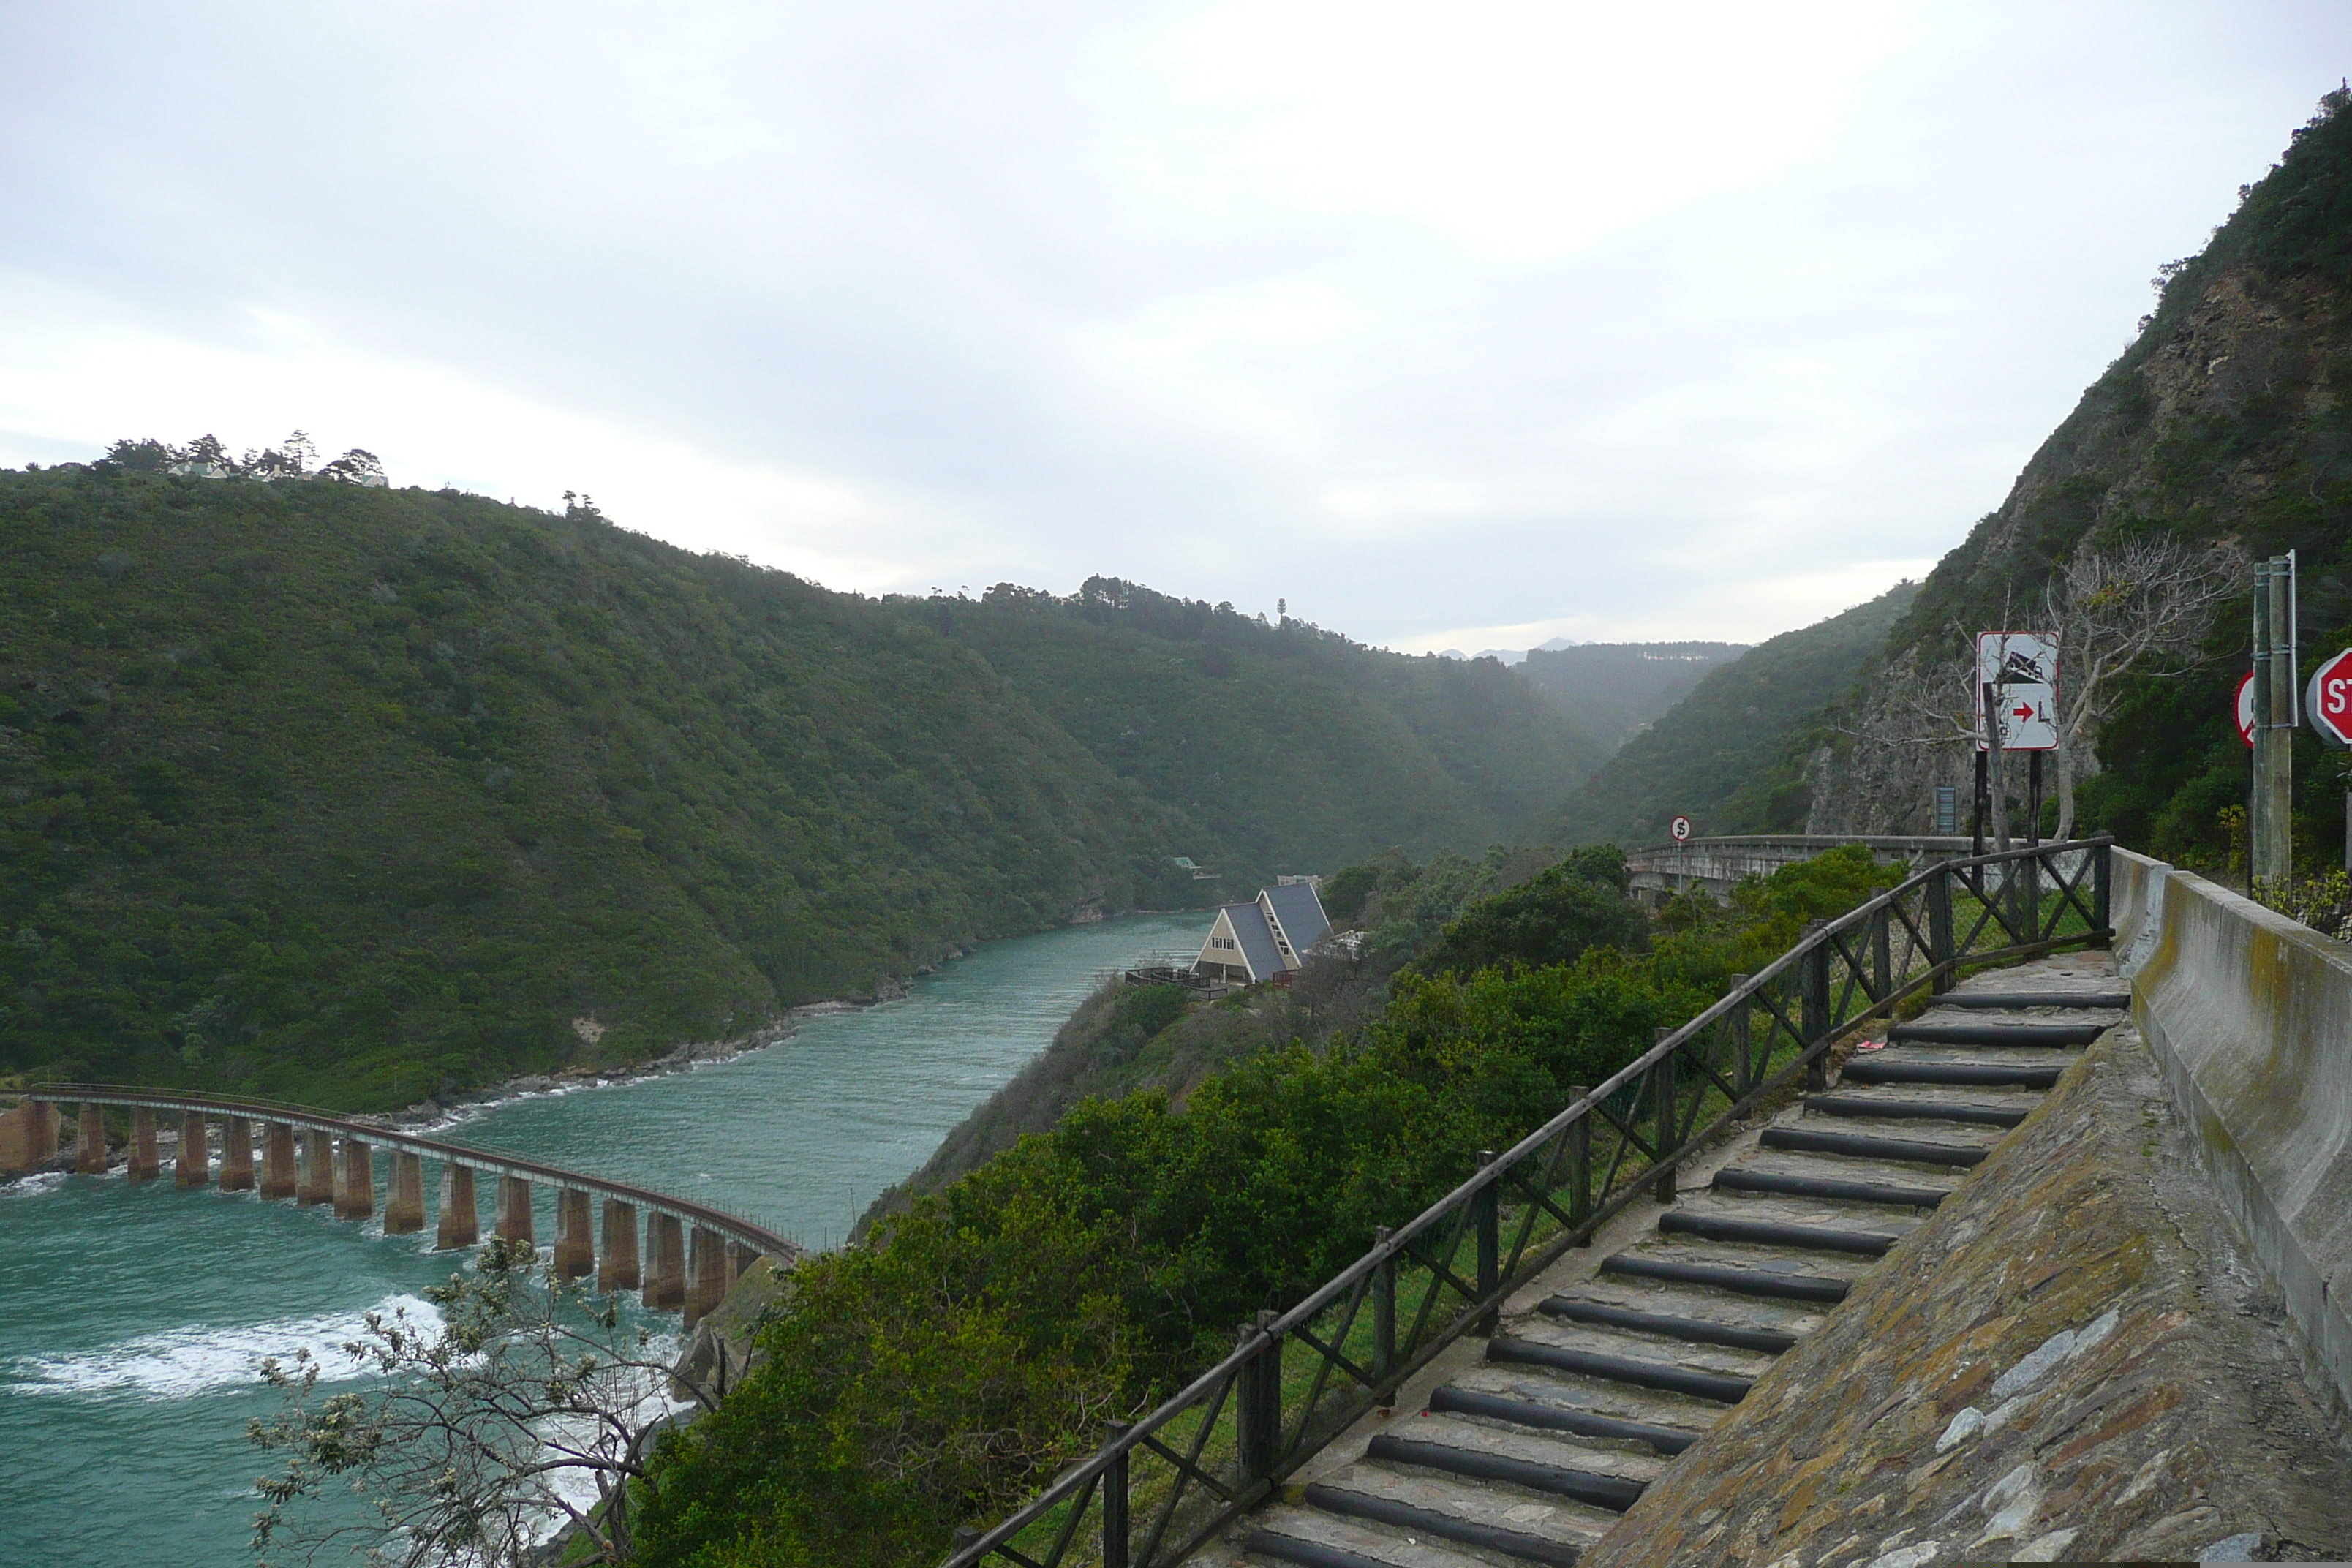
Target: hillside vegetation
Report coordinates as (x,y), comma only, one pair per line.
(1729,755)
(1298,750)
(938,1373)
(353,794)
(1613,690)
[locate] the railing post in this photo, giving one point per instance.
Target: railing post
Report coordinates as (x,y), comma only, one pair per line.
(1663,1118)
(2103,866)
(1738,1040)
(1580,1163)
(1939,930)
(1487,1209)
(1384,1344)
(1814,1007)
(1257,1414)
(1882,955)
(1114,1500)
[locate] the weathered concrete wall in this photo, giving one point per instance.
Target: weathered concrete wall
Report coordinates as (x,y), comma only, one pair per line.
(1656,871)
(2075,1359)
(2251,1016)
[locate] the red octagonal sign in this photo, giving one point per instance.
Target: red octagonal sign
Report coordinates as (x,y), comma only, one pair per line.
(2328,700)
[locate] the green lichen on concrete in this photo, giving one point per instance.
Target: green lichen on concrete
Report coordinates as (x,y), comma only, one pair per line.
(2185,1413)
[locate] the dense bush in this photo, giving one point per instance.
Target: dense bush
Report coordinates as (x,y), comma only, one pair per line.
(951,1366)
(1553,918)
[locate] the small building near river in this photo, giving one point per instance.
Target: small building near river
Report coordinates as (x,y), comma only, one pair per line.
(1266,940)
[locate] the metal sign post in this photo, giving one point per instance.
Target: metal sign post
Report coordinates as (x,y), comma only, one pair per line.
(2017,710)
(2270,806)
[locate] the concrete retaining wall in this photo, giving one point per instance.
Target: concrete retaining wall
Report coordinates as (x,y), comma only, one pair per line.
(2249,1016)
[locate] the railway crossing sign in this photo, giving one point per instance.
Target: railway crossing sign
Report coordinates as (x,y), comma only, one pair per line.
(2243,706)
(2021,669)
(1682,830)
(2328,700)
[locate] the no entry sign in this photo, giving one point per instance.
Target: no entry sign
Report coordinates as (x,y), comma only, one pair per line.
(2328,700)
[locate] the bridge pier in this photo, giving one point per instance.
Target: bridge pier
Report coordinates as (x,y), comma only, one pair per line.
(317,1184)
(664,1262)
(514,1211)
(355,1191)
(575,1244)
(403,1195)
(616,1268)
(237,1155)
(140,1162)
(277,1178)
(706,1283)
(195,1166)
(89,1141)
(461,1220)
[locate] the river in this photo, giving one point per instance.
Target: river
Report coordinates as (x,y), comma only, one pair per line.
(133,1319)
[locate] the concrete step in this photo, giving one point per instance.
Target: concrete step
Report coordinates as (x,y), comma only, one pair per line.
(1568,1394)
(1863,1143)
(1675,1301)
(1904,1102)
(2010,1001)
(1616,1365)
(1863,1235)
(1735,1270)
(1501,1525)
(1547,1464)
(1453,1399)
(1797,1210)
(1886,1066)
(2004,1032)
(1608,1340)
(1313,1538)
(1671,1326)
(1800,1184)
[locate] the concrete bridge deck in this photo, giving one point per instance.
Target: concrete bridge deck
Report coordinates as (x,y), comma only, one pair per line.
(691,1252)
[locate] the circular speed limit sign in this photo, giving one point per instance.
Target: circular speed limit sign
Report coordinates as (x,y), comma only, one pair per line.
(1681,828)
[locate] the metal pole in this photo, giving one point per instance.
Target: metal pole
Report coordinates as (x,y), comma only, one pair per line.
(1384,1341)
(2258,796)
(1976,831)
(2279,715)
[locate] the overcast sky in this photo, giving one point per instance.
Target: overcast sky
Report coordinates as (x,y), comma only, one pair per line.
(1454,324)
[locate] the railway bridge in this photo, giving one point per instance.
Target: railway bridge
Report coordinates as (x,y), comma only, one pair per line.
(680,1254)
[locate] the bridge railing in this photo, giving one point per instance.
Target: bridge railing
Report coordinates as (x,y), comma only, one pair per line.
(736,1226)
(1157,1491)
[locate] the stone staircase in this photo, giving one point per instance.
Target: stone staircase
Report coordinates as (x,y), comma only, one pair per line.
(1535,1442)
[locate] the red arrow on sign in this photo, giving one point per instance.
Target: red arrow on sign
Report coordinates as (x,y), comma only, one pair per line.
(2022,712)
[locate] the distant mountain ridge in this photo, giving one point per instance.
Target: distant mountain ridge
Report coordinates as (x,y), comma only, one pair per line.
(1612,691)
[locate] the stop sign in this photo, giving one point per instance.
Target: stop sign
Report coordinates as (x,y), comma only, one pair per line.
(2328,700)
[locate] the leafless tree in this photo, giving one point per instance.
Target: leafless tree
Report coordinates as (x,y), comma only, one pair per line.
(2139,606)
(531,1407)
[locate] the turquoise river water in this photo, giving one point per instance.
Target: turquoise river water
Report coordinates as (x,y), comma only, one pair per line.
(133,1319)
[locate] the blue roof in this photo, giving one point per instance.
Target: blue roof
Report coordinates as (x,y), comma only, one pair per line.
(1301,915)
(1259,954)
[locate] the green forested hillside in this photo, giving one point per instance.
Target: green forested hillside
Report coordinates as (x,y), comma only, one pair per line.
(1612,690)
(353,794)
(1729,755)
(1297,749)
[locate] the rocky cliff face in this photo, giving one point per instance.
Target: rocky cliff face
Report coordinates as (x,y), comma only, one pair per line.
(2228,418)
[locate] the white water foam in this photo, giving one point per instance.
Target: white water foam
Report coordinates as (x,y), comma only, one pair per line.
(181,1362)
(26,1187)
